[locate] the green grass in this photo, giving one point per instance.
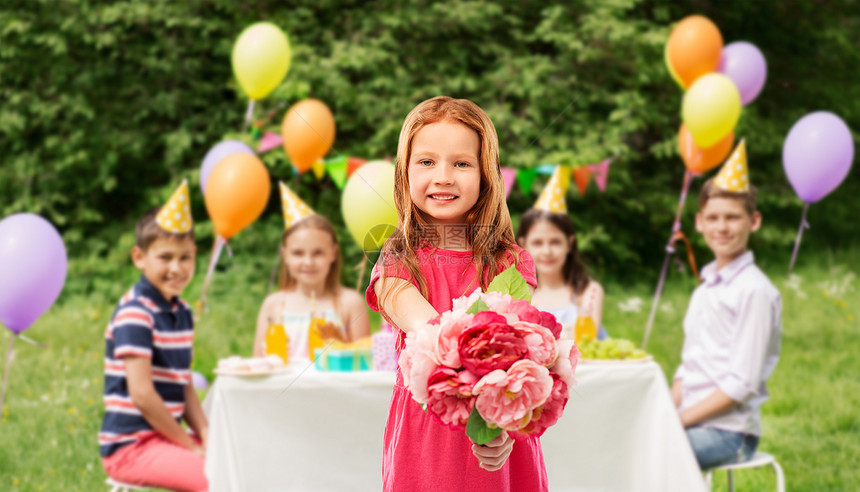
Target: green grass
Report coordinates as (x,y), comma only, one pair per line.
(53,405)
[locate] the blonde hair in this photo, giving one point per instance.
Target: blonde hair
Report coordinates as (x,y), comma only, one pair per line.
(489,230)
(332,280)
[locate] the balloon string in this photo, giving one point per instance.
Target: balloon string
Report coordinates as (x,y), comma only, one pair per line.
(670,249)
(32,342)
(248,115)
(217,247)
(6,372)
(803,225)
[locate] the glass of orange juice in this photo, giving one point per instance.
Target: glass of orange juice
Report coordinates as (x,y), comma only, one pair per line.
(277,342)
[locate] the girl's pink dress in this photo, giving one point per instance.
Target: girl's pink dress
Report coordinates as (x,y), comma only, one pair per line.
(419,453)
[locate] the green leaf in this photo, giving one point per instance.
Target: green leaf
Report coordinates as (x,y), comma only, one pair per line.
(511,282)
(478,430)
(477,307)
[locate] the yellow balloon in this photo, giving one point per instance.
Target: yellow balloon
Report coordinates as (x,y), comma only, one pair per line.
(261,59)
(672,72)
(711,108)
(368,204)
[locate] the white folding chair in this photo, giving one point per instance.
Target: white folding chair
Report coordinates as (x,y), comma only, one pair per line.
(117,486)
(758,459)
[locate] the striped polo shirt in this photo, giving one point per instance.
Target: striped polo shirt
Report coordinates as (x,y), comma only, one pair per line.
(144,324)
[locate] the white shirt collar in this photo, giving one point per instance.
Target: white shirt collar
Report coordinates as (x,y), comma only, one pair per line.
(712,276)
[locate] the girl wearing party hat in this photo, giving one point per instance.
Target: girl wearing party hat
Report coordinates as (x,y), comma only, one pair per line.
(547,233)
(309,286)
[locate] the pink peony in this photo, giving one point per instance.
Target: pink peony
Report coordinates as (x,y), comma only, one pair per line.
(465,302)
(526,312)
(540,342)
(490,343)
(507,399)
(417,361)
(548,321)
(450,395)
(565,364)
(497,301)
(548,414)
(447,346)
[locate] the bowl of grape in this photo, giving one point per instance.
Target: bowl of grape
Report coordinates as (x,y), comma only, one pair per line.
(611,350)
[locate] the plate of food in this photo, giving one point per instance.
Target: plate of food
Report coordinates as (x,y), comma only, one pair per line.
(250,367)
(612,351)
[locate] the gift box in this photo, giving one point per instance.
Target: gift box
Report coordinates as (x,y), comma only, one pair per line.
(347,359)
(384,355)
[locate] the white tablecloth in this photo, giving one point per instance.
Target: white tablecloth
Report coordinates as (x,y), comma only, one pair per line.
(316,431)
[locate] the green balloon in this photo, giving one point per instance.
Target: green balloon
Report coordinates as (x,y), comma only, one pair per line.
(368,204)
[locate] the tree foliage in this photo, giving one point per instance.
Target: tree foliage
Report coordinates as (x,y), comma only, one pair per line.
(105,107)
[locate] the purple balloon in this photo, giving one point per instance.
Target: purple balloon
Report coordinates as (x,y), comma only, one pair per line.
(199,381)
(744,64)
(33,266)
(817,155)
(218,152)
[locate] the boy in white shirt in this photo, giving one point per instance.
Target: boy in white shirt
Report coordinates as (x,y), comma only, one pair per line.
(732,328)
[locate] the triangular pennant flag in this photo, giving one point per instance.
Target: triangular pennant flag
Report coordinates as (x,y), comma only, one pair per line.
(581,176)
(269,141)
(545,168)
(600,173)
(293,206)
(175,215)
(336,169)
(734,175)
(509,174)
(352,164)
(319,169)
(525,179)
(552,198)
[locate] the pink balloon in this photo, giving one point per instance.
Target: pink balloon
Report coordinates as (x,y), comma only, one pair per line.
(817,155)
(745,65)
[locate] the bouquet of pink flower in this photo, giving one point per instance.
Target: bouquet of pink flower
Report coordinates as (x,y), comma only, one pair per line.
(492,362)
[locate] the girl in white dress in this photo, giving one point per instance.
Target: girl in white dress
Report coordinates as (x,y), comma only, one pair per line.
(309,286)
(564,288)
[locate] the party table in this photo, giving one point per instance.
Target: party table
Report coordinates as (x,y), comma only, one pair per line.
(322,431)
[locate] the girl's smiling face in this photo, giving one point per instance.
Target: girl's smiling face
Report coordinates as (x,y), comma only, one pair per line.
(309,254)
(548,246)
(444,171)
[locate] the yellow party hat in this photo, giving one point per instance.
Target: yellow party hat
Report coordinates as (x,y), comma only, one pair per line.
(294,208)
(734,175)
(552,198)
(175,215)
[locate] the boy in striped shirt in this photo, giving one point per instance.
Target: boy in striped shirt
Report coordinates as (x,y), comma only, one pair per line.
(148,353)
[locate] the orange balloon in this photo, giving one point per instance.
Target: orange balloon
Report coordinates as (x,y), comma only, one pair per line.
(694,48)
(700,160)
(236,193)
(308,133)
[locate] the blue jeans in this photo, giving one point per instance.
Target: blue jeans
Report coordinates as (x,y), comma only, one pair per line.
(715,447)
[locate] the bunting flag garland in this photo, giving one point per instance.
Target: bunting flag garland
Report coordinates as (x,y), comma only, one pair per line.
(509,174)
(319,169)
(581,176)
(352,164)
(525,179)
(270,140)
(336,169)
(600,173)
